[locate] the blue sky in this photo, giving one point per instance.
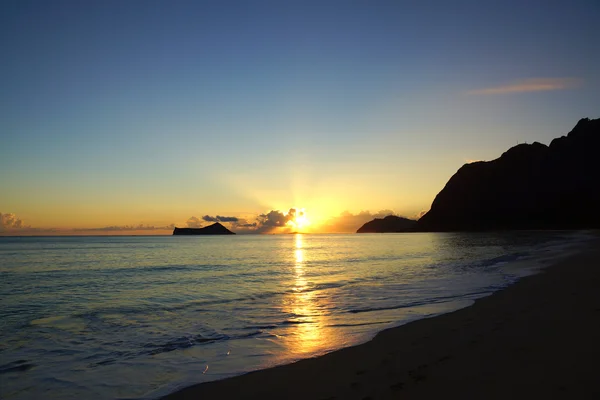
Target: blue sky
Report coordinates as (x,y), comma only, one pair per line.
(128,112)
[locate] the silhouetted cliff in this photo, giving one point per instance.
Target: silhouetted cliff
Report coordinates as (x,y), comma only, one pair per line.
(214,229)
(391,223)
(531,186)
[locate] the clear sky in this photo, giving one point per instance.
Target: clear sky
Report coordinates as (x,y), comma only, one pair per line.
(121,113)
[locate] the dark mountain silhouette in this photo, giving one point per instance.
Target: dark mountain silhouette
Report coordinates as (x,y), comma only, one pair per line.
(214,229)
(391,223)
(531,186)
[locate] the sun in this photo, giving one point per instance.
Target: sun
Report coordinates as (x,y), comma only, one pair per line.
(300,220)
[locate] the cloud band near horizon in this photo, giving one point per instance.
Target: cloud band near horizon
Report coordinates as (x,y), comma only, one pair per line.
(273,221)
(530,85)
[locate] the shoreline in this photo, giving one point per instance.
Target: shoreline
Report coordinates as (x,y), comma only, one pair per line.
(536,337)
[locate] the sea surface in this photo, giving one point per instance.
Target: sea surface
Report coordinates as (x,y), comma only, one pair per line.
(139,317)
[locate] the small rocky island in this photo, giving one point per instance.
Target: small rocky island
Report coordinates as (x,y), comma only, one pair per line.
(391,223)
(214,229)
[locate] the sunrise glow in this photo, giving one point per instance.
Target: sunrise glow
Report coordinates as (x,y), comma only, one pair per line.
(281,108)
(300,221)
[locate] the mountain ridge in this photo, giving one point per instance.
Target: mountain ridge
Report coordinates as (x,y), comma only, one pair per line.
(530,186)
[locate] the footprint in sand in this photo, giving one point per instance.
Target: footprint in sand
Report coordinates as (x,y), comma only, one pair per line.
(445,358)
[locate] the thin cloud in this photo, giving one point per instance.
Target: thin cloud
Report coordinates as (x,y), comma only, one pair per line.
(219,218)
(122,228)
(530,85)
(242,223)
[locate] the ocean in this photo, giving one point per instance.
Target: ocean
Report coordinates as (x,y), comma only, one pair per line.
(140,317)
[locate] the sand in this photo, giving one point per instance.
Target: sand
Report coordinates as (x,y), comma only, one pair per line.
(539,338)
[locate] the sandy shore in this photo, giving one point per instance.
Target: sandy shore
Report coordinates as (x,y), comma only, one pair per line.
(539,338)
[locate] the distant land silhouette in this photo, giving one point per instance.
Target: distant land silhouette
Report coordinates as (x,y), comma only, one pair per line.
(214,229)
(531,186)
(391,223)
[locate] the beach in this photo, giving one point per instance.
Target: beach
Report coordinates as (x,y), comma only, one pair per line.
(535,339)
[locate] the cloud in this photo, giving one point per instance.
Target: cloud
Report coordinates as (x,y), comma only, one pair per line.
(10,221)
(277,221)
(242,223)
(276,218)
(193,222)
(10,224)
(219,218)
(530,85)
(122,228)
(347,222)
(420,214)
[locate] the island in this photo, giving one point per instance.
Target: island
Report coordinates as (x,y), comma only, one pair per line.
(391,223)
(214,229)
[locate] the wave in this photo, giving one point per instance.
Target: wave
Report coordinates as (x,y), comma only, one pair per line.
(502,259)
(16,366)
(427,301)
(174,344)
(254,327)
(179,343)
(358,324)
(202,305)
(295,322)
(152,348)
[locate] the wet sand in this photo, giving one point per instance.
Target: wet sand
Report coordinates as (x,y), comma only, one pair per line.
(539,338)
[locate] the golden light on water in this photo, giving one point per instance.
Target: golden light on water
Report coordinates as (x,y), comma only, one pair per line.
(299,257)
(306,333)
(299,266)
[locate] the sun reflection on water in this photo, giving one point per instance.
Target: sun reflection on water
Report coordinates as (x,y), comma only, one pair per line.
(306,334)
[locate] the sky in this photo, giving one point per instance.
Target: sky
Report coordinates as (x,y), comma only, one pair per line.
(131,117)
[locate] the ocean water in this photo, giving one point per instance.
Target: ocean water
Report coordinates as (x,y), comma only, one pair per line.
(139,317)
